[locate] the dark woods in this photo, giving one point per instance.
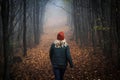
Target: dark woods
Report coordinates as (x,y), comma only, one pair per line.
(20,28)
(96,26)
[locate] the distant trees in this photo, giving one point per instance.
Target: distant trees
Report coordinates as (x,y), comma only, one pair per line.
(38,10)
(20,27)
(96,25)
(25,17)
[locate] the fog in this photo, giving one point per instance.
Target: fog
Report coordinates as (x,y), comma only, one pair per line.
(55,14)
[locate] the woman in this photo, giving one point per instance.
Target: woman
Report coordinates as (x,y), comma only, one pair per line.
(60,56)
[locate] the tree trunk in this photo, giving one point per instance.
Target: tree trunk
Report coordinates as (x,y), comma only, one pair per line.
(24,29)
(6,46)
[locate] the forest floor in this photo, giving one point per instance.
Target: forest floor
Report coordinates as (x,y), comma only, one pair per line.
(36,65)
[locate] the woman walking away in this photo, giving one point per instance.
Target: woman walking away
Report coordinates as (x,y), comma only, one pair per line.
(60,56)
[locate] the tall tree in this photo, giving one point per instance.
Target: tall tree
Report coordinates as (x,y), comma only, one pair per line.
(24,28)
(6,46)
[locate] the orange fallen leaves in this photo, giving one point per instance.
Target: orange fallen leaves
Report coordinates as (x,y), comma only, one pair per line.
(37,66)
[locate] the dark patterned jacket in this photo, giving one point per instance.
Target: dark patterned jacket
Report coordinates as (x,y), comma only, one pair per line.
(60,54)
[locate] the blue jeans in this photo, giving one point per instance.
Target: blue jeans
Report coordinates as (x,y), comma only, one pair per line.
(59,73)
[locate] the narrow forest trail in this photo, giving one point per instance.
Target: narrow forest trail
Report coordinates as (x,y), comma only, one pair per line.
(36,66)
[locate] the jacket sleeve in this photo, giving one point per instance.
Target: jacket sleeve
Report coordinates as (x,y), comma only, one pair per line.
(69,57)
(51,52)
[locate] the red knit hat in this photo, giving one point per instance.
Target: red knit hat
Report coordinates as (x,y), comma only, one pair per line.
(60,36)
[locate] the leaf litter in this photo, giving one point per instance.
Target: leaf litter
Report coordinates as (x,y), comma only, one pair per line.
(36,65)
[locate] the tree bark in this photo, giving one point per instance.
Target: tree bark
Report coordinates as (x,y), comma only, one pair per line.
(6,46)
(24,28)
